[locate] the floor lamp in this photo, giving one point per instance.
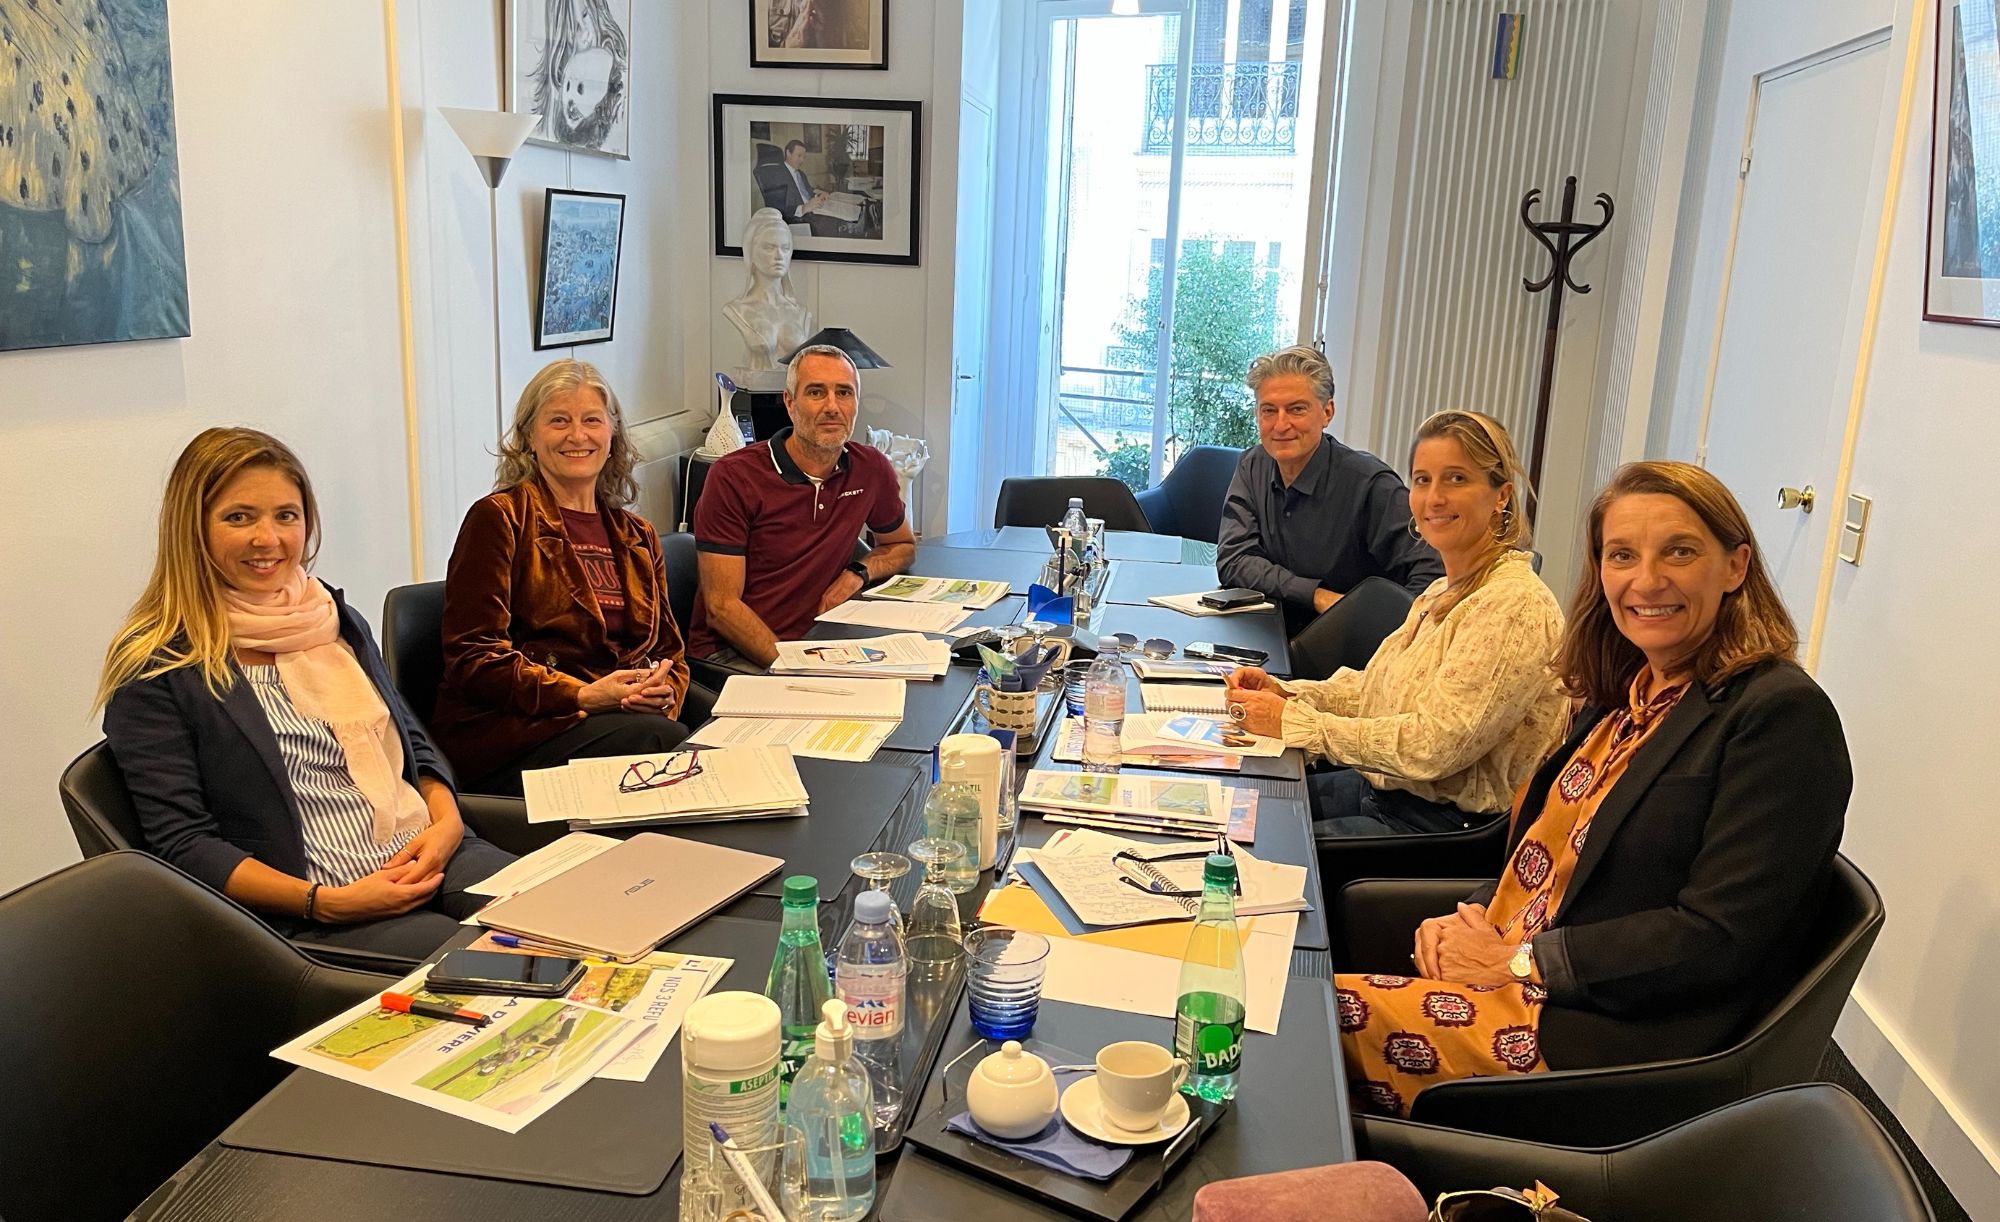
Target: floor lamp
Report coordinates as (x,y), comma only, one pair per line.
(492,137)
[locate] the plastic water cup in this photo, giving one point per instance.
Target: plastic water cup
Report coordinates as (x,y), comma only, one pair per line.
(1004,980)
(1074,676)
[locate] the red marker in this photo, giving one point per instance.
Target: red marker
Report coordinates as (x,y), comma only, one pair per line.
(403,1003)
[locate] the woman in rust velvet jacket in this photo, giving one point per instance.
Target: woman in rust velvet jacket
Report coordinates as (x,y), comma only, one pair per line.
(558,639)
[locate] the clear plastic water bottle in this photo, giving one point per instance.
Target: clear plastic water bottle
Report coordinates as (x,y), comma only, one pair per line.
(1208,1017)
(799,982)
(833,1108)
(1103,714)
(869,976)
(951,812)
(1075,522)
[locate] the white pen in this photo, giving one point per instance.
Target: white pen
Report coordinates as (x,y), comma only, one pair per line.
(819,691)
(752,1182)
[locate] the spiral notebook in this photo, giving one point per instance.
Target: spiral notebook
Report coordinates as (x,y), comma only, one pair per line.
(1106,891)
(789,696)
(1184,698)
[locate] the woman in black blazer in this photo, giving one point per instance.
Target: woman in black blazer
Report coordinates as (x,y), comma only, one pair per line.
(252,716)
(1667,862)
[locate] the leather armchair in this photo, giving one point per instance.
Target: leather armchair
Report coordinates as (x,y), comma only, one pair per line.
(1808,1151)
(1376,920)
(141,1011)
(1039,500)
(102,820)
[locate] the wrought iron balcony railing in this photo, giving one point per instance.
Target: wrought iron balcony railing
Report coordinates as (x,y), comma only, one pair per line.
(1243,108)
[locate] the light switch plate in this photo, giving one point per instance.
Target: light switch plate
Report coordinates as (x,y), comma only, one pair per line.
(1854,527)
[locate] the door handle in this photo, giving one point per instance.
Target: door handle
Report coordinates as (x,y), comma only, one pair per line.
(1796,498)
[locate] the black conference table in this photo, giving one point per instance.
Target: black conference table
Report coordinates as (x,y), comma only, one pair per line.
(1291,1111)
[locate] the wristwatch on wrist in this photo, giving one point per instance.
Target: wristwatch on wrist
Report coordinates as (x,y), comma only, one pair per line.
(1522,965)
(859,570)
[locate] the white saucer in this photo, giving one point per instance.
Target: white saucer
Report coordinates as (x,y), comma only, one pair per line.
(1080,1106)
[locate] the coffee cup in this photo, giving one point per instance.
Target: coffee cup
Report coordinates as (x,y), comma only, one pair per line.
(1135,1082)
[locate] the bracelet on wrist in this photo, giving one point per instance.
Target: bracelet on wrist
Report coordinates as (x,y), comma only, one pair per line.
(312,899)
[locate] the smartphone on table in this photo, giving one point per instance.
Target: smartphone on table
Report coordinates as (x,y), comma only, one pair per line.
(1227,653)
(493,971)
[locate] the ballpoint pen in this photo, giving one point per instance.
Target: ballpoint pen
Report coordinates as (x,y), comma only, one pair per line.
(819,691)
(753,1182)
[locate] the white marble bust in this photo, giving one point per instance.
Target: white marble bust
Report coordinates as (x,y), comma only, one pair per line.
(768,314)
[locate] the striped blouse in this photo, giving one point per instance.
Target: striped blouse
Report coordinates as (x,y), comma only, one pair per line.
(337,821)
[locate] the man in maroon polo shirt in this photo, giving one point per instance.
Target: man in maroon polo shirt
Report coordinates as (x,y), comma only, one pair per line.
(777,521)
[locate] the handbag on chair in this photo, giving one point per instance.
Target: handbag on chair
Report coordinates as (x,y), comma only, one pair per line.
(1536,1204)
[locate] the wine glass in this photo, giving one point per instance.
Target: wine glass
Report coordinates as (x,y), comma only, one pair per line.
(933,935)
(881,869)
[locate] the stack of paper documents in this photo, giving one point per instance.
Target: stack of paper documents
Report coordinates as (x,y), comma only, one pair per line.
(1192,734)
(888,613)
(533,1052)
(695,786)
(1191,604)
(1097,881)
(1136,969)
(902,655)
(1068,749)
(1174,805)
(952,591)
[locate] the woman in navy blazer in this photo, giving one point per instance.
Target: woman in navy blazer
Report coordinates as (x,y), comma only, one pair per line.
(251,714)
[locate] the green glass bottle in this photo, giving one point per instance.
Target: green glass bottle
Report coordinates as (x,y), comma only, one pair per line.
(800,982)
(1208,1018)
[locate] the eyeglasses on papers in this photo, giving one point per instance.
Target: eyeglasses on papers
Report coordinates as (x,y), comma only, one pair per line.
(643,775)
(1127,862)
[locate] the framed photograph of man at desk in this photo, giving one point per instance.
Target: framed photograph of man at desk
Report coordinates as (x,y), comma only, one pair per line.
(581,231)
(842,172)
(1962,279)
(819,33)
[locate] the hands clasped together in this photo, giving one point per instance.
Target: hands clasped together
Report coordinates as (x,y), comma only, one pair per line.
(1463,948)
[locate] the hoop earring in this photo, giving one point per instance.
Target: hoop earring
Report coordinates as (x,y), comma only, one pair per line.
(1506,526)
(1416,534)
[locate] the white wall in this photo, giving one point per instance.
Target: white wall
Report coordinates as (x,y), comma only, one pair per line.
(904,313)
(291,280)
(1906,654)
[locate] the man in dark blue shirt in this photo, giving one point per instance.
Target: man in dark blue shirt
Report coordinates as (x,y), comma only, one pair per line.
(1306,518)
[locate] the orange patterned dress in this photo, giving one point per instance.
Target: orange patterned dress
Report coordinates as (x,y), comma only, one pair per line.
(1399,1034)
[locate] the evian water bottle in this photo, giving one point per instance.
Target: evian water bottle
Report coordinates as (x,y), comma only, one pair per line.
(869,977)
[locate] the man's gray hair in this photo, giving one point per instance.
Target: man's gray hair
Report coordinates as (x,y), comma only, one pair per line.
(1304,361)
(799,358)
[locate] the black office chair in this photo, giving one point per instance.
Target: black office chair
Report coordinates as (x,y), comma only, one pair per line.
(1348,633)
(1188,500)
(1478,851)
(683,587)
(1807,1151)
(1376,920)
(413,644)
(140,1013)
(1041,500)
(102,820)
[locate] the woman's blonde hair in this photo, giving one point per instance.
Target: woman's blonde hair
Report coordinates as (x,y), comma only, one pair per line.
(1752,627)
(179,619)
(1489,449)
(616,486)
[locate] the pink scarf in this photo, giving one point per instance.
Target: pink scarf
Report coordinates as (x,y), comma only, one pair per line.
(301,625)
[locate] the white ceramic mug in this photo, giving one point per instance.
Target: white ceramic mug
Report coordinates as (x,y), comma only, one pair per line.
(1135,1082)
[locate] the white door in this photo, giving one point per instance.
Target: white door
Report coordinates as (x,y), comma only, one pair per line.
(971,283)
(1784,365)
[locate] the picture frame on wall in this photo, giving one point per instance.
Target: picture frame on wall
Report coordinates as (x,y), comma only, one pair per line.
(570,61)
(1962,251)
(842,172)
(581,235)
(819,33)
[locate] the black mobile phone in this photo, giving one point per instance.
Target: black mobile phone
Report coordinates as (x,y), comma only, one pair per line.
(1235,596)
(1226,653)
(493,971)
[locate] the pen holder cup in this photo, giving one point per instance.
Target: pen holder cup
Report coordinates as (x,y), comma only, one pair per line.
(712,1192)
(1006,710)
